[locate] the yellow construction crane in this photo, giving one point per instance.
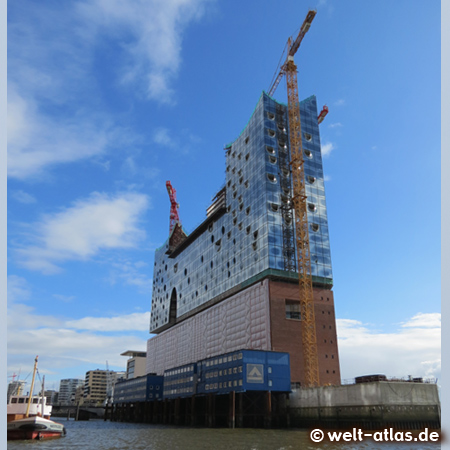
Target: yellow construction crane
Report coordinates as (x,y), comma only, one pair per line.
(289,69)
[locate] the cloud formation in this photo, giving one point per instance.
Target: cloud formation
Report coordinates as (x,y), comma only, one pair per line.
(154,30)
(327,148)
(53,103)
(100,222)
(37,141)
(18,289)
(70,343)
(135,321)
(413,349)
(23,197)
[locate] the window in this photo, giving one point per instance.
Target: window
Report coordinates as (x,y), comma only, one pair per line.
(271,133)
(293,310)
(270,115)
(314,227)
(308,137)
(272,178)
(308,154)
(270,150)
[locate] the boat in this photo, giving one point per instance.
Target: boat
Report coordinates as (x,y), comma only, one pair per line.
(28,417)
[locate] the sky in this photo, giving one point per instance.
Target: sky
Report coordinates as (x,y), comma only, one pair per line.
(108,99)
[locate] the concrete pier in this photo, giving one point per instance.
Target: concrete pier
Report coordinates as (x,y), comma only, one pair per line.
(384,404)
(397,404)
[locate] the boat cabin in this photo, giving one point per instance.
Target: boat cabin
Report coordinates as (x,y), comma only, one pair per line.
(17,407)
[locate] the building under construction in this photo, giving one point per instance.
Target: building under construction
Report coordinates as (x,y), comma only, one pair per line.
(232,283)
(256,273)
(242,307)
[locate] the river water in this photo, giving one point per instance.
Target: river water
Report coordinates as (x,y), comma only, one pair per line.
(101,435)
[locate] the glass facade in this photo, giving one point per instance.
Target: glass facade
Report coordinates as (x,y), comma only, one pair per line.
(256,231)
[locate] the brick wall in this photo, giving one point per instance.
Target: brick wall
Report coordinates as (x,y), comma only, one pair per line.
(286,333)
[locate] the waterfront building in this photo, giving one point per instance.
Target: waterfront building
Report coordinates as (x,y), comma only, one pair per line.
(136,364)
(232,283)
(67,390)
(52,396)
(98,385)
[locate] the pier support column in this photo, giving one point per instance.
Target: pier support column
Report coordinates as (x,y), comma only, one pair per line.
(177,411)
(232,410)
(165,411)
(268,415)
(211,411)
(155,417)
(288,412)
(192,411)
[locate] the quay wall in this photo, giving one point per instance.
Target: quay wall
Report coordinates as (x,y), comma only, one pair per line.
(370,405)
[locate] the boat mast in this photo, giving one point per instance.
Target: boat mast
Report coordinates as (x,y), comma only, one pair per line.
(32,387)
(43,396)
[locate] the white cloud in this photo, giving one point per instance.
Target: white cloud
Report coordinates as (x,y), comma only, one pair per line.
(340,102)
(37,141)
(71,343)
(129,272)
(79,232)
(52,101)
(327,149)
(134,321)
(335,125)
(424,321)
(162,137)
(182,143)
(23,197)
(64,298)
(18,289)
(413,349)
(153,31)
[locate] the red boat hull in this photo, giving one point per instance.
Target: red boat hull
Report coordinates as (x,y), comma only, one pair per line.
(16,435)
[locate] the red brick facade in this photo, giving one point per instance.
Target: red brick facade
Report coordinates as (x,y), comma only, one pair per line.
(286,333)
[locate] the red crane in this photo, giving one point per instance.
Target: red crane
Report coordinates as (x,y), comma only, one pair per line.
(322,114)
(174,217)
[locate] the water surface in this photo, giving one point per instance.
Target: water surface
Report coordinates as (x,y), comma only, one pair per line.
(101,435)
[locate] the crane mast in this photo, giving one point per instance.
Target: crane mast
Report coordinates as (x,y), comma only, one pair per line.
(174,217)
(309,340)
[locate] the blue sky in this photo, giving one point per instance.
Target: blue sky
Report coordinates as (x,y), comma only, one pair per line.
(107,100)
